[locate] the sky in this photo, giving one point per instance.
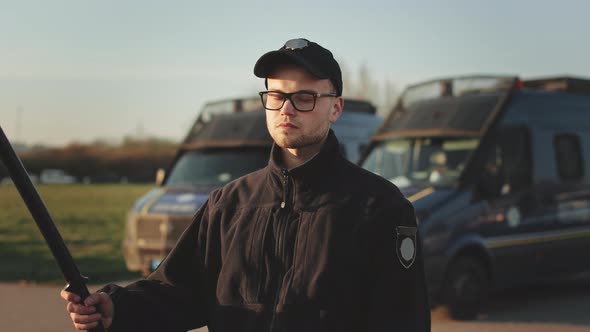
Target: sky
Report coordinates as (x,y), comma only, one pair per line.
(83,70)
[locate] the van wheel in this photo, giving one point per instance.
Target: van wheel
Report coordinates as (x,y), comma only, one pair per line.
(466,288)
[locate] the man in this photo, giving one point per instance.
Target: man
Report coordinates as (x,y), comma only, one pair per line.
(311,242)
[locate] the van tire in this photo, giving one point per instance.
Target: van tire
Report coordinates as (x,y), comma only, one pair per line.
(466,288)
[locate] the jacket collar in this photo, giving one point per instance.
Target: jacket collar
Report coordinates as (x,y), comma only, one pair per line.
(321,165)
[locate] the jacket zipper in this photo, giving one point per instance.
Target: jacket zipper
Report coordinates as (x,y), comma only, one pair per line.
(280,244)
(285,188)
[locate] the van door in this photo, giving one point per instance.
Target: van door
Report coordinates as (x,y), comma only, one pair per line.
(566,201)
(505,185)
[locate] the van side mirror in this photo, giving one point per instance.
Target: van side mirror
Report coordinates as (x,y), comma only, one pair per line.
(160,175)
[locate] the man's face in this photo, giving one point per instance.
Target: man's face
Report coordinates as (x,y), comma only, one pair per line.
(292,129)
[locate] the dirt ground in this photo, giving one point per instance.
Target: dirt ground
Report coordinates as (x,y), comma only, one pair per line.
(28,307)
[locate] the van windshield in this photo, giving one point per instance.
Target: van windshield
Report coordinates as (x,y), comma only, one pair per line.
(421,162)
(216,167)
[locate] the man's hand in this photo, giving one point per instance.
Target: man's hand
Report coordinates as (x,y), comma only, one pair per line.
(86,316)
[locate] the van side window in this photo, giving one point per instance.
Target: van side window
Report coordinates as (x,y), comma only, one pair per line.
(507,164)
(568,156)
(516,150)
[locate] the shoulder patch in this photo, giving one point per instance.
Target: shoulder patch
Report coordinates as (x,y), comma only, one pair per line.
(405,245)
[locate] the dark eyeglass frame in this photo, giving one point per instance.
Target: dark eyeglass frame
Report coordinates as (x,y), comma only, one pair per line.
(286,96)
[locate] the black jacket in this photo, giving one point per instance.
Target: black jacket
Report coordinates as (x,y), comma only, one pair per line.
(316,248)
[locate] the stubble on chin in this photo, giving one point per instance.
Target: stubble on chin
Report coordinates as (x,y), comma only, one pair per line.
(289,142)
(298,142)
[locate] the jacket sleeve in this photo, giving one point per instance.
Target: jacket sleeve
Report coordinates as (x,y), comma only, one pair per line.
(172,298)
(399,297)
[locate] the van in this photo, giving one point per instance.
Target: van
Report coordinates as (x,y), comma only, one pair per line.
(497,169)
(228,140)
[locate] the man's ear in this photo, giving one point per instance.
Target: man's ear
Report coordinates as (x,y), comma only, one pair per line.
(336,110)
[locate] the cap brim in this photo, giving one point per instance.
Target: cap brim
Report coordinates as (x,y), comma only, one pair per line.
(269,61)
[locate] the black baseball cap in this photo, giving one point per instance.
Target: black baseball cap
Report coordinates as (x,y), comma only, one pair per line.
(314,58)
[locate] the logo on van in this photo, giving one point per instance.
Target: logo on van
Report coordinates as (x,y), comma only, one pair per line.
(405,244)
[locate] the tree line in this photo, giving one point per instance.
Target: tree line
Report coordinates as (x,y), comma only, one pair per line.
(133,160)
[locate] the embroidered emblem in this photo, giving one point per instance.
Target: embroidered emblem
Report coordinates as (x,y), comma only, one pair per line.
(405,245)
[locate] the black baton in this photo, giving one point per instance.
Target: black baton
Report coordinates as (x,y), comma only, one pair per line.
(76,282)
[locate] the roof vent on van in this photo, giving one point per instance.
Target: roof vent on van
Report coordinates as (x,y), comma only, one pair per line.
(235,105)
(224,106)
(456,87)
(231,129)
(569,84)
(456,106)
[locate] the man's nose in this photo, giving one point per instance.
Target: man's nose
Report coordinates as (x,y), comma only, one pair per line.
(288,109)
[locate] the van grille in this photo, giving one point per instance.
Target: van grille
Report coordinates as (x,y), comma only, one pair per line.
(150,228)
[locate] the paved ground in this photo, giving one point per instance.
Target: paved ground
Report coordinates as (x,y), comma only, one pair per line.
(561,308)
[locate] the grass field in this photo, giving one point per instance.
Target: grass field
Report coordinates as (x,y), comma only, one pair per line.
(91,220)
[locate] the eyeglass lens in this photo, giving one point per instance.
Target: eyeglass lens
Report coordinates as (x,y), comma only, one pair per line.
(302,101)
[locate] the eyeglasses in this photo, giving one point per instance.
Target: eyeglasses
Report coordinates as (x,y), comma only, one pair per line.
(303,101)
(296,44)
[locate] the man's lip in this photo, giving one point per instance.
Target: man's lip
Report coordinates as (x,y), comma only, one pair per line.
(287,125)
